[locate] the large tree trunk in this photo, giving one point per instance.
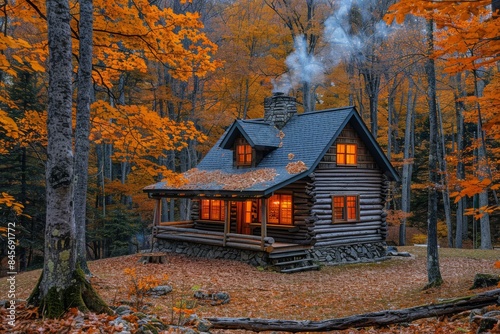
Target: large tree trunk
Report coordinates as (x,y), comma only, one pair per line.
(433,271)
(61,285)
(382,318)
(82,144)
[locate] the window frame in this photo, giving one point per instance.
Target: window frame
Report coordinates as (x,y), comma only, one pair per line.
(209,204)
(248,152)
(281,210)
(346,218)
(346,155)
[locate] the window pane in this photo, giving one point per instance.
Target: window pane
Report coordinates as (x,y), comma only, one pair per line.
(205,209)
(286,209)
(351,154)
(244,154)
(338,206)
(215,210)
(352,208)
(247,207)
(273,215)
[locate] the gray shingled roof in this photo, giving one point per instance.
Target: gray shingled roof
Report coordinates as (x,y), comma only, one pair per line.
(306,136)
(259,134)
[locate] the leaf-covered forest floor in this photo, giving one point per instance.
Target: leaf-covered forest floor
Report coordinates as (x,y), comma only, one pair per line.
(332,292)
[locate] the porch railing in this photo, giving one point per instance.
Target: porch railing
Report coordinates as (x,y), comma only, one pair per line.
(185,231)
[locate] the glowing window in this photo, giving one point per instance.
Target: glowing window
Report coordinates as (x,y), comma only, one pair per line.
(212,209)
(280,209)
(247,211)
(347,154)
(243,153)
(345,208)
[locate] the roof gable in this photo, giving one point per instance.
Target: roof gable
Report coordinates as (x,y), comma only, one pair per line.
(260,135)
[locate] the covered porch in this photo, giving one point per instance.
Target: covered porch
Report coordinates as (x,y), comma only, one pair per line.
(234,230)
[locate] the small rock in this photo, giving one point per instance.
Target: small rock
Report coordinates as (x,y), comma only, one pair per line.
(160,290)
(217,298)
(123,310)
(203,325)
(485,280)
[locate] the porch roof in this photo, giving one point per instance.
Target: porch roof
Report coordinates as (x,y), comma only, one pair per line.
(303,142)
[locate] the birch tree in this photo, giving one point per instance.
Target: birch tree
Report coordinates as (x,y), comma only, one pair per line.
(61,285)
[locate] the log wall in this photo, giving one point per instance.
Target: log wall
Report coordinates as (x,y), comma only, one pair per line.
(365,180)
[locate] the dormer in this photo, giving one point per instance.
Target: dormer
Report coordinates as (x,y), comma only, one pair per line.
(250,141)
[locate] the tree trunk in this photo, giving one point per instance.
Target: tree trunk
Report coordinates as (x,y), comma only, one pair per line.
(408,161)
(483,172)
(461,228)
(61,285)
(433,271)
(82,144)
(382,318)
(444,179)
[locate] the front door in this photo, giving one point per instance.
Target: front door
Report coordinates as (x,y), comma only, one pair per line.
(243,217)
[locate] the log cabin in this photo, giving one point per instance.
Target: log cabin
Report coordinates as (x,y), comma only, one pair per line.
(290,191)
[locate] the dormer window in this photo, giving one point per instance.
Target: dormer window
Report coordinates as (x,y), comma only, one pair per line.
(243,153)
(347,154)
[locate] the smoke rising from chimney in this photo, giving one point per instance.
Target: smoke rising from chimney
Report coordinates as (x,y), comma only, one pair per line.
(304,68)
(345,41)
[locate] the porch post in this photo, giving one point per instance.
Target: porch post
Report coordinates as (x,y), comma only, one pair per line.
(157,216)
(263,226)
(227,221)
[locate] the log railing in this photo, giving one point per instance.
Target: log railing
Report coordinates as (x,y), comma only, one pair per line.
(185,231)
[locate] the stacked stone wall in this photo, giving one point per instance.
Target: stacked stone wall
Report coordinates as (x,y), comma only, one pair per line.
(332,255)
(254,258)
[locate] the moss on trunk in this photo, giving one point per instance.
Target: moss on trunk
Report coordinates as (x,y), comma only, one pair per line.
(79,294)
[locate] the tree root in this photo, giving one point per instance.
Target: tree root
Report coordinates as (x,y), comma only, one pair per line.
(80,294)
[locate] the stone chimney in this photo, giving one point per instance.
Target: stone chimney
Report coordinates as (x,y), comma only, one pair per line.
(279,108)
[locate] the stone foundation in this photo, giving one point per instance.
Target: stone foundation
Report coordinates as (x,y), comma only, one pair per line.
(328,255)
(254,258)
(333,255)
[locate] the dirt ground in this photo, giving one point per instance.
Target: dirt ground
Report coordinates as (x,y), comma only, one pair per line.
(332,292)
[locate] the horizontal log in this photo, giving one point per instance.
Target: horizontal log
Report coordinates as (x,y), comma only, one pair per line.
(177,223)
(348,241)
(375,213)
(321,236)
(215,242)
(328,194)
(362,219)
(330,181)
(162,229)
(343,228)
(253,247)
(346,171)
(244,236)
(363,200)
(382,318)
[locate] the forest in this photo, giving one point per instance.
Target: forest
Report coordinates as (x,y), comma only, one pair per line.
(168,77)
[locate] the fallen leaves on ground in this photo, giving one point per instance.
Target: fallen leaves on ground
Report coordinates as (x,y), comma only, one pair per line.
(332,292)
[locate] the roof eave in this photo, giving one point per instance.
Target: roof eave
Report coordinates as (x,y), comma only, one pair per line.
(199,193)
